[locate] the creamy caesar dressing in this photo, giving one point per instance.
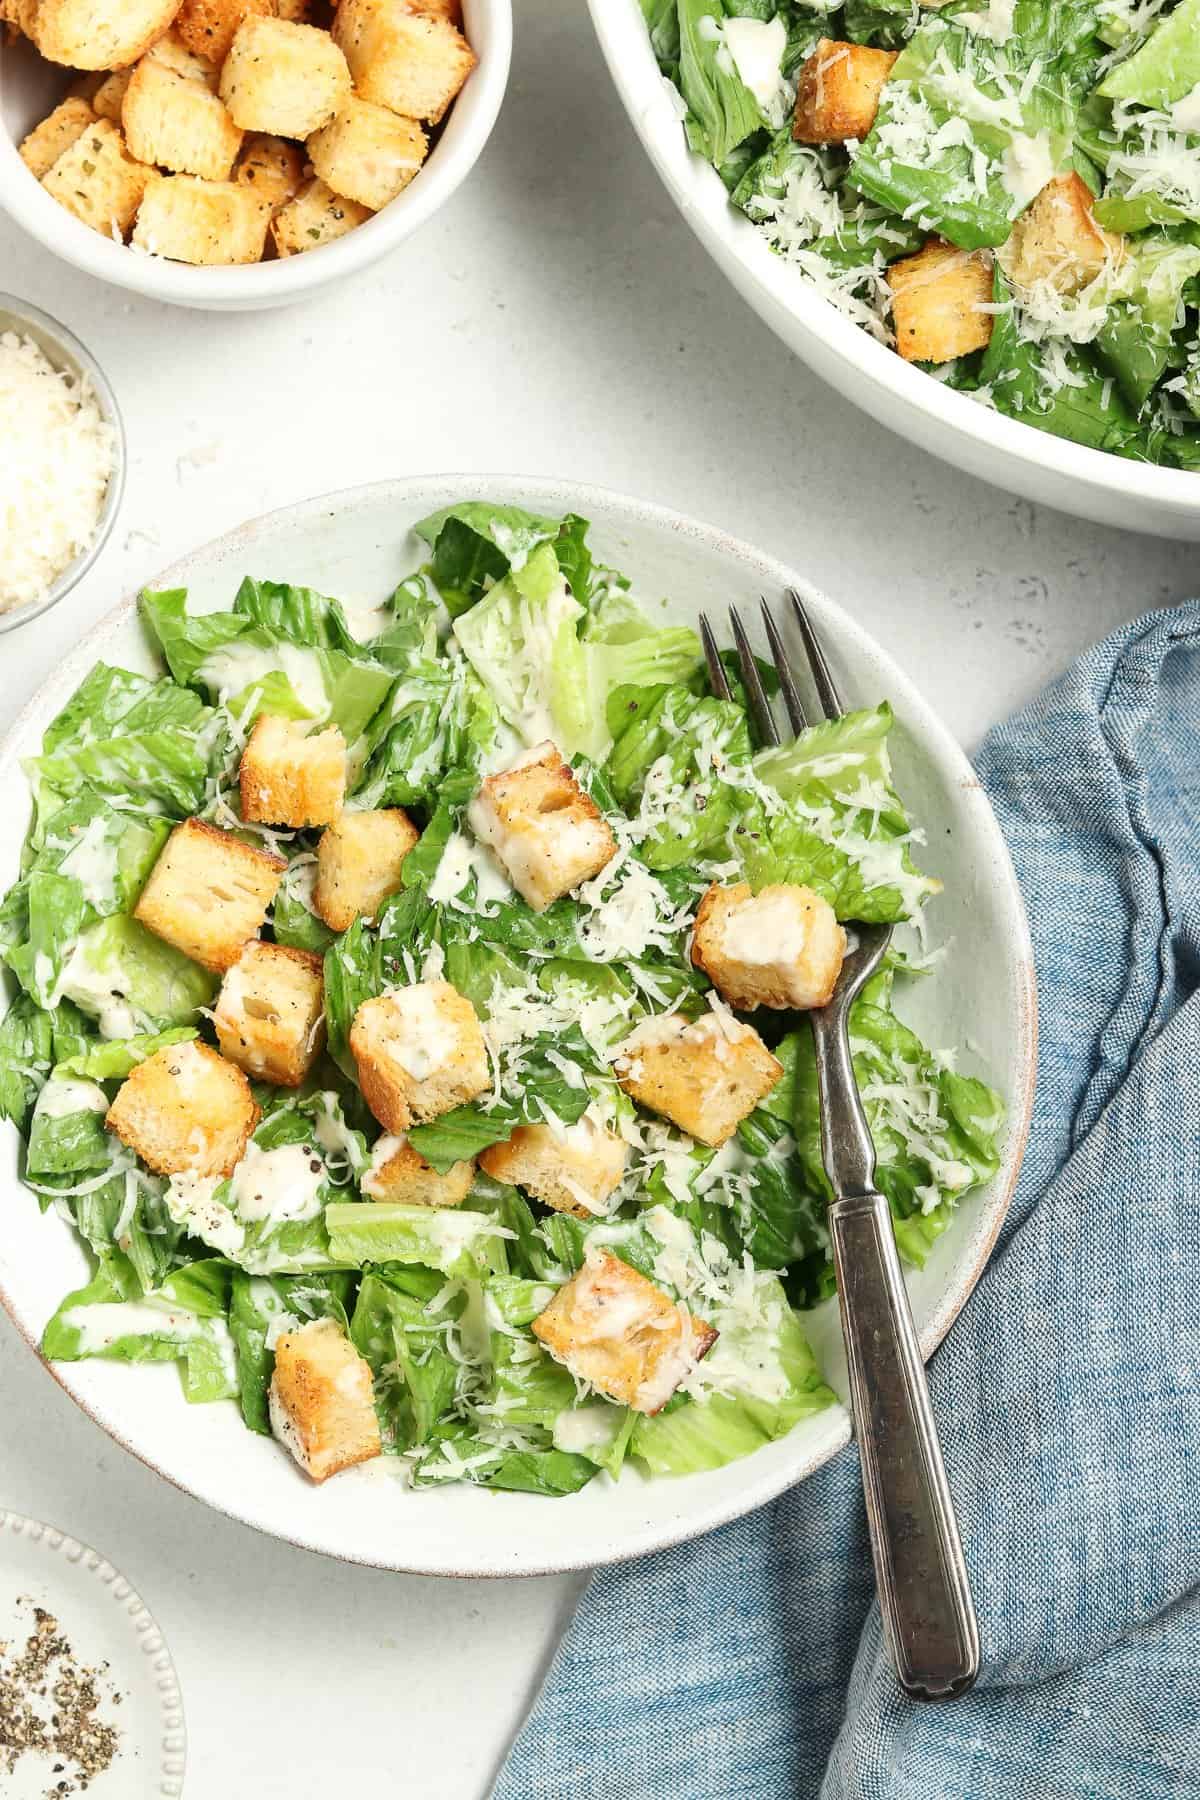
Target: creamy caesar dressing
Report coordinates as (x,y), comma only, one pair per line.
(1027,166)
(774,929)
(105,1323)
(237,666)
(588,1429)
(757,48)
(95,992)
(62,1096)
(277,1187)
(462,858)
(420,1036)
(92,862)
(191,1200)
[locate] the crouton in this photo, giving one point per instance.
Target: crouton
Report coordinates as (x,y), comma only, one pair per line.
(316,216)
(937,297)
(296,11)
(419,1052)
(185,1109)
(10,23)
(781,947)
(360,862)
(174,54)
(612,1327)
(401,1177)
(704,1076)
(281,78)
(208,27)
(178,123)
(291,775)
(837,96)
(272,167)
(190,220)
(367,153)
(208,893)
(109,97)
(47,141)
(1057,240)
(85,87)
(321,1400)
(436,9)
(572,1168)
(414,63)
(98,34)
(269,1017)
(547,832)
(96,179)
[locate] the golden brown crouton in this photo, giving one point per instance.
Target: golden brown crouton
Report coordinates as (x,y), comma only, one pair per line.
(85,87)
(704,1076)
(781,947)
(316,216)
(178,123)
(269,1017)
(297,11)
(321,1400)
(614,1328)
(272,167)
(937,296)
(367,153)
(109,97)
(436,9)
(547,832)
(208,893)
(1057,240)
(190,220)
(401,1177)
(185,1109)
(413,63)
(47,141)
(282,78)
(360,860)
(174,54)
(838,92)
(573,1168)
(208,27)
(292,775)
(99,34)
(98,180)
(419,1052)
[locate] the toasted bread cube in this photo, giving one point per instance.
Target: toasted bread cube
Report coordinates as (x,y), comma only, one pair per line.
(185,1109)
(547,832)
(360,863)
(937,301)
(291,775)
(611,1326)
(110,95)
(436,9)
(272,167)
(572,1168)
(781,947)
(705,1076)
(297,11)
(208,27)
(837,96)
(419,1052)
(1057,240)
(269,1017)
(98,180)
(174,54)
(322,1400)
(413,63)
(187,219)
(316,216)
(47,141)
(401,1177)
(367,153)
(85,87)
(208,893)
(99,34)
(282,78)
(178,123)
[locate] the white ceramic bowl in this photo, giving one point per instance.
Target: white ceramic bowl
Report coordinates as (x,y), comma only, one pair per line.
(1018,457)
(30,87)
(356,545)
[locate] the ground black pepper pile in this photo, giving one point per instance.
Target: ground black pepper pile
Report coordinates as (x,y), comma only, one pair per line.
(48,1708)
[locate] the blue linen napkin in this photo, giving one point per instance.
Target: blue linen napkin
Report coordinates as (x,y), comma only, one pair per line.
(750,1665)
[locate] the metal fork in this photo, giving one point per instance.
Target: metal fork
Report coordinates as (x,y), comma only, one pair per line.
(924,1593)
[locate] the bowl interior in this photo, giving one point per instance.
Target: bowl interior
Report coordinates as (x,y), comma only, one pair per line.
(357,545)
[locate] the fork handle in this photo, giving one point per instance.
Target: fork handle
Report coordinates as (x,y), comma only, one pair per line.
(924,1592)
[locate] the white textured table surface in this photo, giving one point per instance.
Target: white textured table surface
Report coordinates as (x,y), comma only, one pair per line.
(557,318)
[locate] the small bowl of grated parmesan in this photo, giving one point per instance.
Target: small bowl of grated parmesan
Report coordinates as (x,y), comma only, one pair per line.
(63,469)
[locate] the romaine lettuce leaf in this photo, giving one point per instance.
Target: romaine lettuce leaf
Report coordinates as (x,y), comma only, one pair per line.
(183,1320)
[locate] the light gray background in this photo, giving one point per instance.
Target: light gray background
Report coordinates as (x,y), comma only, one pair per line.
(557,318)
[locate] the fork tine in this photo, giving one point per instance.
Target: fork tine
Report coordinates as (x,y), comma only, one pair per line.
(791,699)
(760,710)
(827,693)
(718,681)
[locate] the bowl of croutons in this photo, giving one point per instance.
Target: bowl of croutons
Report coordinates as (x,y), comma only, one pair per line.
(240,153)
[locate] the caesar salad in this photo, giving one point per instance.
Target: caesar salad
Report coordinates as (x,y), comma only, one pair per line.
(1007,194)
(408,1020)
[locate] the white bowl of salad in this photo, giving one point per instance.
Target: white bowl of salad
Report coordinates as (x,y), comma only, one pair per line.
(1021,180)
(370,1262)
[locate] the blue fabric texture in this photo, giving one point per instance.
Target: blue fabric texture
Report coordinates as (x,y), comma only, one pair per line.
(749,1665)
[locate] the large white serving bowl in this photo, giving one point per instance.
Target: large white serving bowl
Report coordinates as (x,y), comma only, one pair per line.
(30,87)
(357,545)
(1109,489)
